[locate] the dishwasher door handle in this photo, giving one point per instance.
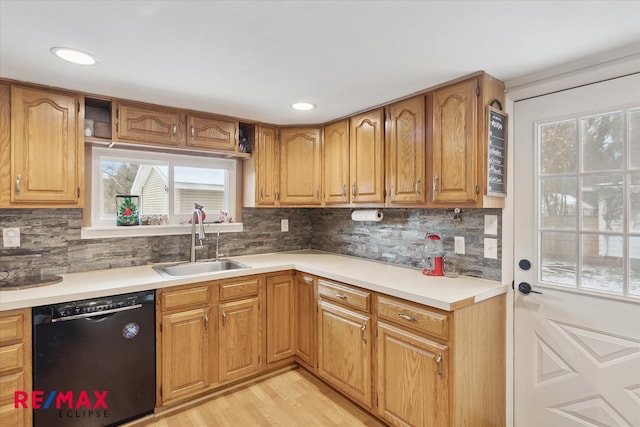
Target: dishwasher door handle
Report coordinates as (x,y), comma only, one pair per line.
(97,313)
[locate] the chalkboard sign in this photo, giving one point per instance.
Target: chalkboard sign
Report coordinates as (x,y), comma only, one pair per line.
(497,153)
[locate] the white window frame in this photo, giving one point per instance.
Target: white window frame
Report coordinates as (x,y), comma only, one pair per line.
(102,227)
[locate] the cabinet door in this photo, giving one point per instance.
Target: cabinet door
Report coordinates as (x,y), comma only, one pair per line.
(344,351)
(267,163)
(239,345)
(366,146)
(413,379)
(405,151)
(9,414)
(151,125)
(47,156)
(455,137)
(280,317)
(185,353)
(336,163)
(300,166)
(305,319)
(212,133)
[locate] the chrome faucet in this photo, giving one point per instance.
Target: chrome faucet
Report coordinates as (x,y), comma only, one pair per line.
(197,215)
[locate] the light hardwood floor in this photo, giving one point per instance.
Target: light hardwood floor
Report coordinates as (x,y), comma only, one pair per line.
(291,398)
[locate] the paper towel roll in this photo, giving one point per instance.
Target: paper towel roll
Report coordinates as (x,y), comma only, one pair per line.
(367,215)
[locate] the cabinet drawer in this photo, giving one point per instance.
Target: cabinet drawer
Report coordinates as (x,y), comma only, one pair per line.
(9,384)
(11,357)
(414,317)
(11,328)
(198,295)
(345,295)
(239,289)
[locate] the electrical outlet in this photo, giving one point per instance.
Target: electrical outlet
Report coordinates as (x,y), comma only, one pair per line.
(11,237)
(284,225)
(490,248)
(458,243)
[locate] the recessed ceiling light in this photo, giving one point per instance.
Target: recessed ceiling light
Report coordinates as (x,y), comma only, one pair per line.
(303,106)
(74,56)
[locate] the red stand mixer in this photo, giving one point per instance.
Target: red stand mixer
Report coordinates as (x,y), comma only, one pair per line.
(433,261)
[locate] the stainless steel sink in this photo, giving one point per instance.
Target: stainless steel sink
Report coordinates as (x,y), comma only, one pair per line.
(196,268)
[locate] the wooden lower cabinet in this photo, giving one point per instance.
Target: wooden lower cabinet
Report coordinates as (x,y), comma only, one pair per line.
(407,363)
(185,353)
(412,378)
(239,339)
(280,317)
(15,365)
(344,351)
(305,310)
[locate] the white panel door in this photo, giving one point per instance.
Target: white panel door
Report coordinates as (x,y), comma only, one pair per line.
(577,223)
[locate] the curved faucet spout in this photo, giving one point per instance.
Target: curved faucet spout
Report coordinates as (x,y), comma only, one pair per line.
(196,216)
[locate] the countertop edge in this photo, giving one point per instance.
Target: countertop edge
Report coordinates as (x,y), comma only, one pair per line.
(145,278)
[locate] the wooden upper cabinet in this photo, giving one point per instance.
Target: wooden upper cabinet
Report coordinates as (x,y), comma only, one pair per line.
(267,165)
(44,164)
(149,124)
(300,166)
(336,186)
(405,151)
(212,133)
(366,159)
(455,143)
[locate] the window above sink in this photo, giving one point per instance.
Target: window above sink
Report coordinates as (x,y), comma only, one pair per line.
(167,186)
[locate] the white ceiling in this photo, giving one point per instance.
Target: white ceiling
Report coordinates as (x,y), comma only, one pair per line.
(252,59)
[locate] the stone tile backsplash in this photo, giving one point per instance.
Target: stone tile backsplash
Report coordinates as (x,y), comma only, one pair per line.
(51,243)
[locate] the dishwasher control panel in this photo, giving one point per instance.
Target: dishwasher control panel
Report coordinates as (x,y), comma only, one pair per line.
(93,306)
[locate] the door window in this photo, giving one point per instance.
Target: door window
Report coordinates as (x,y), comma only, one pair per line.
(589,202)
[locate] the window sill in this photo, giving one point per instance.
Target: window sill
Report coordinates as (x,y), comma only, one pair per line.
(106,232)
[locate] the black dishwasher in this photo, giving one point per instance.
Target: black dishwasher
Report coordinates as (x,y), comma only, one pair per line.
(94,361)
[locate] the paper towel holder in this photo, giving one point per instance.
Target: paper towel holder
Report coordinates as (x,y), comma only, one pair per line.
(374,215)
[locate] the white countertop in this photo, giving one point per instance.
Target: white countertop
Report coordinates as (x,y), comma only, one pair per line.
(407,283)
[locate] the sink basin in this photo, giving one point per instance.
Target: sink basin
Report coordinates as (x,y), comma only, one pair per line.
(196,268)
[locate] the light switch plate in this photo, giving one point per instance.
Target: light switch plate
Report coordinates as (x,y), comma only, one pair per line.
(284,225)
(11,237)
(491,225)
(490,248)
(458,243)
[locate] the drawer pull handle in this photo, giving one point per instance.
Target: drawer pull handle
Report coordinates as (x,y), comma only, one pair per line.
(206,322)
(18,184)
(362,331)
(439,364)
(405,317)
(174,129)
(224,319)
(337,295)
